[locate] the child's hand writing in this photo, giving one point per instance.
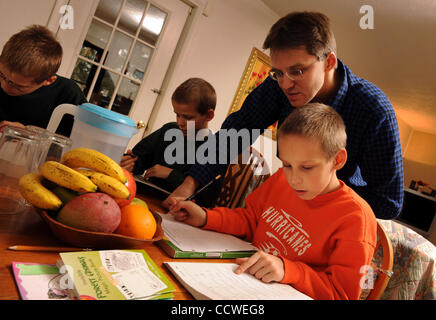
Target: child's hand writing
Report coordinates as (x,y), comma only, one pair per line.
(263,266)
(187,211)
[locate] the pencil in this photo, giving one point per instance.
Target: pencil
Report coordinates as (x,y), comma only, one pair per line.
(46,248)
(202,188)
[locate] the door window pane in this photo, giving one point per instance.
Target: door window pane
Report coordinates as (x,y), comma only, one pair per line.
(118,29)
(152,25)
(138,61)
(82,74)
(107,10)
(125,96)
(95,41)
(131,15)
(118,51)
(104,88)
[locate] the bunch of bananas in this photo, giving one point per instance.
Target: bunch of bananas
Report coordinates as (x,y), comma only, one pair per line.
(81,170)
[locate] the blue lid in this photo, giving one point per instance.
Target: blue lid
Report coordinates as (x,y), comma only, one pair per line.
(108,114)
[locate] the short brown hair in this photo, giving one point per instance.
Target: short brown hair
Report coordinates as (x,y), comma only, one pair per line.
(309,29)
(33,52)
(319,121)
(198,92)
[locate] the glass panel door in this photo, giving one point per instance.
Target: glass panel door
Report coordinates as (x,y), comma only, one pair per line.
(117,50)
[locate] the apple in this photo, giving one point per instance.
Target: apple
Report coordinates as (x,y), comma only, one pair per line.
(131,185)
(140,202)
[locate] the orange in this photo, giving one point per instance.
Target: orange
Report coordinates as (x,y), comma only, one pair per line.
(137,221)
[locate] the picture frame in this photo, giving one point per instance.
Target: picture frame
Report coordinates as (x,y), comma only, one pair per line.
(255,72)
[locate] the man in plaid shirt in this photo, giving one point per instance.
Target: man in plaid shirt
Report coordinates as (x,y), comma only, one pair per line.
(305,69)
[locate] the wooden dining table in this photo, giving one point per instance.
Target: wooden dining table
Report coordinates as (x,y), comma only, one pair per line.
(28,228)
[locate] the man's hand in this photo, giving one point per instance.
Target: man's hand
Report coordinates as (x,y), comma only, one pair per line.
(263,266)
(5,123)
(128,162)
(187,211)
(157,171)
(185,190)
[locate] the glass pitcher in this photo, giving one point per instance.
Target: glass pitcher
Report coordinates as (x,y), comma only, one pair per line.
(18,156)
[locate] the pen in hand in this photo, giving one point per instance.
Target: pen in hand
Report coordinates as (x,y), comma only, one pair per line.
(202,188)
(192,196)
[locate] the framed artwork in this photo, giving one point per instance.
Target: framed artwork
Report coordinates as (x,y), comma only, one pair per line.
(256,71)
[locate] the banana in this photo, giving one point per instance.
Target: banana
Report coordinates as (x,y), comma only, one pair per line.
(95,160)
(107,184)
(34,192)
(66,177)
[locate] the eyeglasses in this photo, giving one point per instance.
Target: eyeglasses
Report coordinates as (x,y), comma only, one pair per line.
(293,75)
(12,84)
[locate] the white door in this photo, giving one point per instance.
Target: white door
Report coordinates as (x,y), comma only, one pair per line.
(124,53)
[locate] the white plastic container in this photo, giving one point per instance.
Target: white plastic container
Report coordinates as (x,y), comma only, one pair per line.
(96,128)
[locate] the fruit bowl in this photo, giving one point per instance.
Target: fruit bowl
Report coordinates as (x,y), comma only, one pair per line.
(97,240)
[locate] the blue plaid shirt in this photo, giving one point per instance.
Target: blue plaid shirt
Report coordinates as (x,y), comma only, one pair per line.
(374,167)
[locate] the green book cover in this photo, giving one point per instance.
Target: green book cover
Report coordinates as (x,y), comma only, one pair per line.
(116,275)
(174,252)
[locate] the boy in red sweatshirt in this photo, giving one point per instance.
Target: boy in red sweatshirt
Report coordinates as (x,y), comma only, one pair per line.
(313,232)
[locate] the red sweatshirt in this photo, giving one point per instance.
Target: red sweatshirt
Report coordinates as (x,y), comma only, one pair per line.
(323,242)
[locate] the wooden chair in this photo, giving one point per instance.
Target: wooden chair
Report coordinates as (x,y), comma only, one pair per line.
(385,270)
(242,178)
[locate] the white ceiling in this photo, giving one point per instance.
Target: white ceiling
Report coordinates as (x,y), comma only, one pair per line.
(397,55)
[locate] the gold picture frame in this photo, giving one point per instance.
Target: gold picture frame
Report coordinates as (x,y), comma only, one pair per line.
(256,71)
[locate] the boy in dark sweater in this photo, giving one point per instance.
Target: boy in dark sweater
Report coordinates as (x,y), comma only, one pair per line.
(168,153)
(30,88)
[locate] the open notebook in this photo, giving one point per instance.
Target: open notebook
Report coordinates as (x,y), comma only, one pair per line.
(218,281)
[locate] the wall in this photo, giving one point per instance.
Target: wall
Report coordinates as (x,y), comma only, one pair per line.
(420,158)
(405,132)
(417,145)
(18,14)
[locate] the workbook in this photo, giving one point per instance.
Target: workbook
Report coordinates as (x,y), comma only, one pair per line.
(218,281)
(115,275)
(184,241)
(37,281)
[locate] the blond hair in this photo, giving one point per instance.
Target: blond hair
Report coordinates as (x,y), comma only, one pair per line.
(33,52)
(317,120)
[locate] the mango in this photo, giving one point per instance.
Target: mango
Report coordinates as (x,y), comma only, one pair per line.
(96,212)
